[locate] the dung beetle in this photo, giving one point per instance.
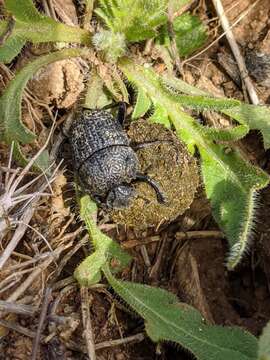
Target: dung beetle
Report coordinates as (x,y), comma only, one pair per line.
(104,160)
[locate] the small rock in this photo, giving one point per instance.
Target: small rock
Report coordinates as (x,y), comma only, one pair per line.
(59,83)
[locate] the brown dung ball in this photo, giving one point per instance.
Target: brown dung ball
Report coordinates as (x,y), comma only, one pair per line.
(167,161)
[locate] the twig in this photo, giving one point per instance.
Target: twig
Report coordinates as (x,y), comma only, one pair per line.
(199,235)
(14,308)
(28,281)
(145,256)
(42,317)
(153,274)
(173,40)
(88,14)
(108,344)
(134,338)
(236,51)
(20,329)
(19,232)
(88,331)
(67,256)
(31,162)
(28,210)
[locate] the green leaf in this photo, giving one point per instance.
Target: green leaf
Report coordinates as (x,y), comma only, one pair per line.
(176,5)
(136,19)
(195,101)
(264,344)
(143,104)
(23,10)
(166,319)
(30,25)
(231,183)
(160,116)
(42,163)
(11,127)
(256,117)
(229,134)
(107,251)
(204,103)
(12,46)
(190,33)
(176,86)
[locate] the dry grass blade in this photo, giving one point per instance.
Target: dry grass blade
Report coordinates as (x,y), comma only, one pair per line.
(42,317)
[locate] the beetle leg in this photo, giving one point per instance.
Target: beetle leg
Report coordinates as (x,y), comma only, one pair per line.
(122,110)
(160,196)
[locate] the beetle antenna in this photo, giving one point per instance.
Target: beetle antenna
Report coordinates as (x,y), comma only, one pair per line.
(160,196)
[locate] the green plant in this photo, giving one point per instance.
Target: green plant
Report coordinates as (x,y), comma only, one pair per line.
(224,171)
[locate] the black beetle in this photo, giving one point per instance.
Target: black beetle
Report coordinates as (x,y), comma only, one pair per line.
(104,160)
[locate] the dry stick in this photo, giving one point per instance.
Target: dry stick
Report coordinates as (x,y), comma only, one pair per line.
(236,51)
(88,14)
(133,338)
(15,327)
(14,308)
(31,162)
(42,318)
(199,234)
(88,331)
(9,163)
(28,281)
(173,41)
(25,219)
(19,232)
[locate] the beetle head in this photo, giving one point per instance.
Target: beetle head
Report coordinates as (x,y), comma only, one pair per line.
(120,197)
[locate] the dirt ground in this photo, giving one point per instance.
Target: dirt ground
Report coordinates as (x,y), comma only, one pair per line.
(185,256)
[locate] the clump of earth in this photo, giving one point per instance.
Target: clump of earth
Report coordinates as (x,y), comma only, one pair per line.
(168,162)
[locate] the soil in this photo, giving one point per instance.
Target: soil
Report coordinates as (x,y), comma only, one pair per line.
(191,267)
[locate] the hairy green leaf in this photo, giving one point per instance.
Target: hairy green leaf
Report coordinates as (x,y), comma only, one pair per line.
(204,103)
(178,86)
(11,127)
(136,19)
(264,344)
(143,104)
(41,164)
(229,134)
(231,183)
(190,33)
(107,251)
(199,102)
(12,45)
(160,116)
(30,25)
(256,117)
(166,319)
